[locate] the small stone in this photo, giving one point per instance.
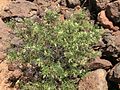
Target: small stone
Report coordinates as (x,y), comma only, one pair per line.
(2,55)
(16,41)
(17,73)
(4,3)
(62,2)
(101,4)
(72,3)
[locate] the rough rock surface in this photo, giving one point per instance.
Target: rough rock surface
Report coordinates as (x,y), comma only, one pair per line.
(19,9)
(3,3)
(5,39)
(101,4)
(109,17)
(2,56)
(114,74)
(4,76)
(72,3)
(111,47)
(4,44)
(94,80)
(113,11)
(99,64)
(106,22)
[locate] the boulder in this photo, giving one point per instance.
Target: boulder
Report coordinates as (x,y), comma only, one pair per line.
(114,74)
(54,7)
(113,11)
(2,55)
(106,22)
(95,80)
(67,13)
(111,47)
(99,64)
(19,9)
(16,73)
(3,3)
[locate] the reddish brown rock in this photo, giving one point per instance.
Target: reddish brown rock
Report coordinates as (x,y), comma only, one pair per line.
(72,3)
(16,42)
(4,76)
(17,73)
(106,22)
(111,48)
(54,7)
(2,55)
(3,3)
(5,38)
(95,80)
(114,74)
(113,11)
(99,64)
(42,2)
(101,4)
(19,9)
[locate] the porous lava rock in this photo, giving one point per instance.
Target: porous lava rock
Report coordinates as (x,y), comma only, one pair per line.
(99,64)
(114,74)
(19,9)
(95,80)
(113,11)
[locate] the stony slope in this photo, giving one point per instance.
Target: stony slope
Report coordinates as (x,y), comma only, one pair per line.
(107,16)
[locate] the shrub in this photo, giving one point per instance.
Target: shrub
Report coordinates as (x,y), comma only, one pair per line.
(59,48)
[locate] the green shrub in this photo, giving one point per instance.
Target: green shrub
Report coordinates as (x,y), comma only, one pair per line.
(59,48)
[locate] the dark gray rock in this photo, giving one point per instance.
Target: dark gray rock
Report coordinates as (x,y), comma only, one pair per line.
(111,46)
(114,74)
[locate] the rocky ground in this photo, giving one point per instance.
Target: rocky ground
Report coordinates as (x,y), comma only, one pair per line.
(105,74)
